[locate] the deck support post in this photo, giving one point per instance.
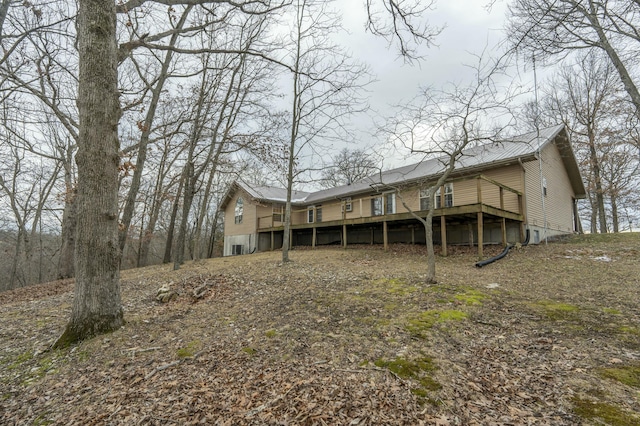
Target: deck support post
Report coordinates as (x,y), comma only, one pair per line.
(272,241)
(480,235)
(443,234)
(313,237)
(344,235)
(385,236)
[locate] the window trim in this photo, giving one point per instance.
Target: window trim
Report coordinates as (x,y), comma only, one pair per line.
(311,214)
(238,211)
(448,194)
(393,203)
(423,195)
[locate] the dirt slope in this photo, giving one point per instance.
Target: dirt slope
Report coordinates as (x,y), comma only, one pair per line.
(548,335)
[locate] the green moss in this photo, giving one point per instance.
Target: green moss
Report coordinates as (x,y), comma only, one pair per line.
(189,350)
(396,286)
(419,369)
(424,321)
(629,330)
(270,334)
(557,311)
(20,359)
(628,375)
(611,311)
(470,297)
(41,421)
(609,413)
(249,350)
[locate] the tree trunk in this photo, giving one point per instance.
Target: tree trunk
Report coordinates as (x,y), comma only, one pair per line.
(146,127)
(431,254)
(66,266)
(187,200)
(597,178)
(614,213)
(97,307)
(172,224)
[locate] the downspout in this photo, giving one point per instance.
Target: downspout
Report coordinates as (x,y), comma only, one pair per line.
(524,195)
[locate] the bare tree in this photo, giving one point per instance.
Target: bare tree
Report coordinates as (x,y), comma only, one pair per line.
(402,22)
(97,307)
(588,99)
(348,166)
(554,28)
(441,125)
(324,90)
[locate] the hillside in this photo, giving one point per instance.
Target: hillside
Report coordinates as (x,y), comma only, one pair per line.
(547,335)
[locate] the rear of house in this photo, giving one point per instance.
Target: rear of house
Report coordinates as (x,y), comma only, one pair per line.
(497,194)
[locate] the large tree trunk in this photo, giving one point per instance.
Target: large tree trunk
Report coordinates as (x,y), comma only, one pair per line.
(97,307)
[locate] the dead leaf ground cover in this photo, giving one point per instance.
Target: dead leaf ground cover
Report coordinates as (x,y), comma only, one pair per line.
(548,335)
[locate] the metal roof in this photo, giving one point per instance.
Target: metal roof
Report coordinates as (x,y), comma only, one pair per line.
(474,159)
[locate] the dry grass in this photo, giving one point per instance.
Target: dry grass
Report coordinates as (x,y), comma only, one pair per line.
(343,337)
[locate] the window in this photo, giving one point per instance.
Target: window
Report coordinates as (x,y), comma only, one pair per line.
(318,214)
(448,196)
(348,205)
(544,186)
(277,213)
(390,203)
(236,249)
(310,215)
(239,209)
(376,206)
(384,204)
(425,203)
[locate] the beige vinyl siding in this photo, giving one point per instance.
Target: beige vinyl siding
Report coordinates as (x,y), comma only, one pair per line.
(248,225)
(559,199)
(510,176)
(411,197)
(265,216)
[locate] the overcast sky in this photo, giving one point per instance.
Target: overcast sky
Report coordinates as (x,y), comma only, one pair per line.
(469,29)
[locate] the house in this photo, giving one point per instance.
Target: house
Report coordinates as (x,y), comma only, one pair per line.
(497,193)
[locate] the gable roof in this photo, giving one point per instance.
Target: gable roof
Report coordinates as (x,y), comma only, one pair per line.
(512,150)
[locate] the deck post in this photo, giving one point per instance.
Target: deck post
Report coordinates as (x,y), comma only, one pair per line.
(480,234)
(504,231)
(413,234)
(385,236)
(344,235)
(313,238)
(524,216)
(443,234)
(272,241)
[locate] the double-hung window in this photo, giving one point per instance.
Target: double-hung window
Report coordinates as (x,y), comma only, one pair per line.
(239,210)
(390,203)
(448,196)
(383,204)
(376,206)
(425,202)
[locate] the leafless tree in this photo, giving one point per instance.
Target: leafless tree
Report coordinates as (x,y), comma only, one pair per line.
(589,100)
(348,166)
(555,28)
(441,125)
(97,306)
(403,23)
(324,91)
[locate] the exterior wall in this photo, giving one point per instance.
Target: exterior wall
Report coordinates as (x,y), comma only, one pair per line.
(558,203)
(240,233)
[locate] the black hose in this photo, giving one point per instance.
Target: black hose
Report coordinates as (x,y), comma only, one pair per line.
(482,263)
(485,262)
